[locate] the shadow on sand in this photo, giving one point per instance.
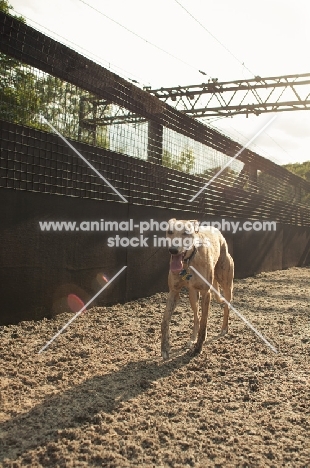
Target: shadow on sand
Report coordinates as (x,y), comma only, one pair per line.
(80,404)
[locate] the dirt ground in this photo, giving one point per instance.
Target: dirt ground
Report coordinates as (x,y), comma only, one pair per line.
(102,396)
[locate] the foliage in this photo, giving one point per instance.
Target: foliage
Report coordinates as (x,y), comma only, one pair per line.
(185,162)
(27,93)
(271,186)
(19,100)
(302,170)
(228,176)
(5,6)
(17,97)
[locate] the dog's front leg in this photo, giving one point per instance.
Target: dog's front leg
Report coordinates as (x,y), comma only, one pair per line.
(194,301)
(205,305)
(172,301)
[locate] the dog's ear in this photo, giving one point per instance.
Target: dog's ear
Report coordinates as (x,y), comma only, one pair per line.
(171,223)
(192,226)
(196,224)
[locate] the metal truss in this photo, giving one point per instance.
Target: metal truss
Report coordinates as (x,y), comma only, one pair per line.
(94,113)
(254,96)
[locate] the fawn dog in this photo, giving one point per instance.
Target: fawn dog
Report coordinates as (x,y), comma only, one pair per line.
(205,249)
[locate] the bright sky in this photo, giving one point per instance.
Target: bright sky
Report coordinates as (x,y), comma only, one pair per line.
(271,38)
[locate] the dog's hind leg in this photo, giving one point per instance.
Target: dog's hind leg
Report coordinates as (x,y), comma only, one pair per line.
(217,296)
(228,296)
(227,286)
(194,301)
(172,301)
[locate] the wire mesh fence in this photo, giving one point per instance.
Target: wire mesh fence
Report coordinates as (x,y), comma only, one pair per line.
(152,153)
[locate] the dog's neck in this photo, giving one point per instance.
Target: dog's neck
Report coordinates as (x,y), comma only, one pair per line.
(191,256)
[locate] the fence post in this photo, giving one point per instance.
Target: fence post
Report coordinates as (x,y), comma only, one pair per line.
(297,198)
(253,178)
(155,142)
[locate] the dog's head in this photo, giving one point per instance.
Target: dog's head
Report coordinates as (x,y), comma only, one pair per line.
(181,235)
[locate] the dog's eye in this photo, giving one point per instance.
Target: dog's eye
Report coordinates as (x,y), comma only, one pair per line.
(170,232)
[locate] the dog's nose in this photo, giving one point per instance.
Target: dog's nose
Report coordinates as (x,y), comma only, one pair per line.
(173,251)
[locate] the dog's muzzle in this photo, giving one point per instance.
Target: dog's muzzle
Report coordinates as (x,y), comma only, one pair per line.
(176,262)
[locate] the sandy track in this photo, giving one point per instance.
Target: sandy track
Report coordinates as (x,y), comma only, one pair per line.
(101,395)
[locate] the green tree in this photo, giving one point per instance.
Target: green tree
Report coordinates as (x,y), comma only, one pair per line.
(227,176)
(18,99)
(302,170)
(276,188)
(185,162)
(26,93)
(5,6)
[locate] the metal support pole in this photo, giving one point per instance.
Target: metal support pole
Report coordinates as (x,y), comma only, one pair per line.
(155,142)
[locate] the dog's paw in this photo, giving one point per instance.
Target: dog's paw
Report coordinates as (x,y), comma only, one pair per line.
(196,350)
(190,344)
(165,355)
